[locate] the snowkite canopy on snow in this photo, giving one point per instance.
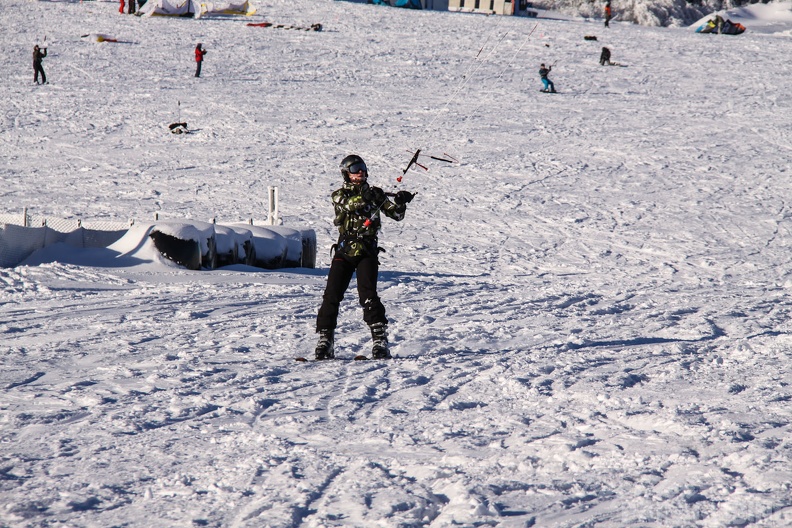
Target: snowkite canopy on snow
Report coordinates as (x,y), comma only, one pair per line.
(196,8)
(721,26)
(228,7)
(182,8)
(98,37)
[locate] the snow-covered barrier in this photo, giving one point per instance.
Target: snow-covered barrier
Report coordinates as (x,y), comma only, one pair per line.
(192,244)
(235,245)
(268,247)
(281,247)
(184,244)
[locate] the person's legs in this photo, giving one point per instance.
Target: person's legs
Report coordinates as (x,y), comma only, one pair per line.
(373,310)
(338,280)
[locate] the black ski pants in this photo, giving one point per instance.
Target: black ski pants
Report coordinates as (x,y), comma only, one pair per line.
(198,68)
(36,70)
(341,270)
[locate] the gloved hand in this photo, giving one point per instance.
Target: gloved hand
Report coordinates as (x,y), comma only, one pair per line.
(403,197)
(374,195)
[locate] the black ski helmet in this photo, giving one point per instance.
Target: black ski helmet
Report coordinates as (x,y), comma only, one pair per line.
(350,162)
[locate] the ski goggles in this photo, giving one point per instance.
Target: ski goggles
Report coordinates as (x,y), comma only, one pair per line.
(357,167)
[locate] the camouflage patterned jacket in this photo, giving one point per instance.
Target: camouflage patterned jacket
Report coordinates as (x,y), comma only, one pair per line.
(352,210)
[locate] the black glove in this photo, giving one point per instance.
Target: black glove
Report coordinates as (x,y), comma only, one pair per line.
(374,195)
(403,197)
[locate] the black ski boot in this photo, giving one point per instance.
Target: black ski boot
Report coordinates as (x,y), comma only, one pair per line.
(379,336)
(324,348)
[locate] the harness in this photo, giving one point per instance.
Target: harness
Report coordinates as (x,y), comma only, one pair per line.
(345,240)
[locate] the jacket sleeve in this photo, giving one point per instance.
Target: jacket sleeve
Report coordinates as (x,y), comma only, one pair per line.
(394,211)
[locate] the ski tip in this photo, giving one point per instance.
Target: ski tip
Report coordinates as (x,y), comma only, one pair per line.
(361,358)
(301,359)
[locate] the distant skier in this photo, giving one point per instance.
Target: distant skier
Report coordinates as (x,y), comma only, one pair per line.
(199,55)
(38,54)
(608,13)
(605,57)
(548,84)
(357,216)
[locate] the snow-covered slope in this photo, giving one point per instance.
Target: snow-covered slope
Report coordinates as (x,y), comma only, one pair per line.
(677,13)
(590,312)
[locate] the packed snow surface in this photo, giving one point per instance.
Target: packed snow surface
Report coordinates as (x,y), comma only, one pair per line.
(590,312)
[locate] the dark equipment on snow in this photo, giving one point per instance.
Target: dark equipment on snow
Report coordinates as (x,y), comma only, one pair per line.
(178,128)
(312,27)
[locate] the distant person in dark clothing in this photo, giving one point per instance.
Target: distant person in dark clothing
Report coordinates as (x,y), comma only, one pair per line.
(605,57)
(548,84)
(199,55)
(131,8)
(39,54)
(608,14)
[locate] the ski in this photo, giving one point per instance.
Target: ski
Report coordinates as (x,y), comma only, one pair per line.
(303,359)
(359,357)
(366,358)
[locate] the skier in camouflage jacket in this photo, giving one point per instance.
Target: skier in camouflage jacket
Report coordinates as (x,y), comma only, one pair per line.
(358,208)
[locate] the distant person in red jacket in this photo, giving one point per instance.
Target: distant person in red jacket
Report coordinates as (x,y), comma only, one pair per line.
(199,55)
(608,13)
(121,9)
